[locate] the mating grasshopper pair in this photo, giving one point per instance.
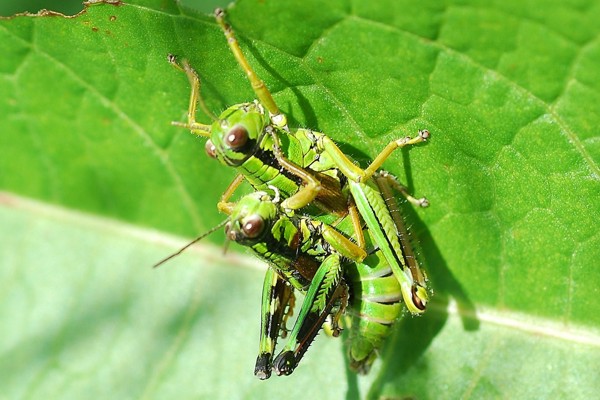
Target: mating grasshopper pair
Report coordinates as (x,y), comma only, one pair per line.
(364,267)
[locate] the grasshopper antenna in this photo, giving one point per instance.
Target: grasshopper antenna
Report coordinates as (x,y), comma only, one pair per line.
(164,260)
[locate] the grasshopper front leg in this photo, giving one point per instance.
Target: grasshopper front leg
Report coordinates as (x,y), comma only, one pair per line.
(195,127)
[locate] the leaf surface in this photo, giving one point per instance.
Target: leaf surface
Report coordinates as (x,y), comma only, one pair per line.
(508,90)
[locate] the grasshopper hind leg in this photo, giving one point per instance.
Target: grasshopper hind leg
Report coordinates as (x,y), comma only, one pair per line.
(384,177)
(277,305)
(326,292)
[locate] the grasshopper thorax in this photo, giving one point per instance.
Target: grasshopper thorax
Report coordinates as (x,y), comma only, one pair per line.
(238,133)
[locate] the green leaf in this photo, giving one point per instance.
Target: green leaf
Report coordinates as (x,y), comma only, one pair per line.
(508,90)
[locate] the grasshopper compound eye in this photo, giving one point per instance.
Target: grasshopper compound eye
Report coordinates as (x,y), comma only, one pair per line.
(253,226)
(232,234)
(210,149)
(228,231)
(237,137)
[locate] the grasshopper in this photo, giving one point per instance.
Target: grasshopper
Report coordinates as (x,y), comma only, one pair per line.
(335,274)
(337,277)
(305,166)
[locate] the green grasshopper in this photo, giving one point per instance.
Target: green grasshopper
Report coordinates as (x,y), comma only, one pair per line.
(336,276)
(304,255)
(247,137)
(334,273)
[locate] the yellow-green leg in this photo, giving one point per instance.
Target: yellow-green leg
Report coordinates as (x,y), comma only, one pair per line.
(262,92)
(195,99)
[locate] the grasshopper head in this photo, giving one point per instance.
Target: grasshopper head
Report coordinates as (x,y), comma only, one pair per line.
(237,134)
(250,219)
